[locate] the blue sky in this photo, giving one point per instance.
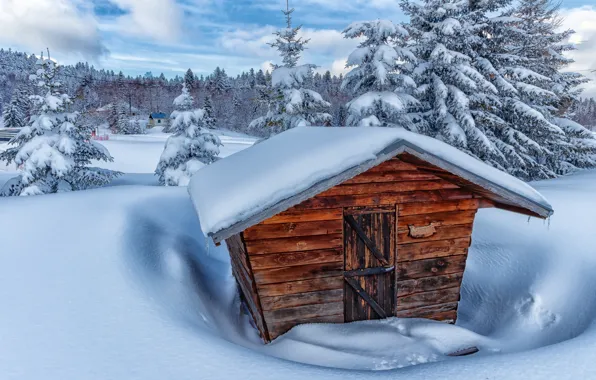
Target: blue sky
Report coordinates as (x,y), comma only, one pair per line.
(170,36)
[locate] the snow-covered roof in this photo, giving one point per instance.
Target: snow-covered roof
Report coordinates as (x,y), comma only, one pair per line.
(158,115)
(250,186)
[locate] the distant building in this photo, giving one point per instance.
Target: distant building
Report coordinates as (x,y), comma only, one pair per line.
(158,119)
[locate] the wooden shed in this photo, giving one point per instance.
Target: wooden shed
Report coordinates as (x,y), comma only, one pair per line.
(345,224)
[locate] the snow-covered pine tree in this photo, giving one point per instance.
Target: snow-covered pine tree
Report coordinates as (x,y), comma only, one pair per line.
(458,101)
(522,54)
(584,113)
(53,150)
(342,116)
(291,105)
(15,113)
(190,147)
(543,47)
(209,118)
(189,80)
(377,79)
(118,118)
(128,126)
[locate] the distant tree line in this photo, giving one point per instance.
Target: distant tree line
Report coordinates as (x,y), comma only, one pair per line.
(234,101)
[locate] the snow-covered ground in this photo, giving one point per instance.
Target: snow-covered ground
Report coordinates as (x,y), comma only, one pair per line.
(137,154)
(119,283)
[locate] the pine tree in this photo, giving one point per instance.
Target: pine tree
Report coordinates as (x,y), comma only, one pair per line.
(113,116)
(291,103)
(189,80)
(129,126)
(118,119)
(382,89)
(53,150)
(14,114)
(220,82)
(191,146)
(458,102)
(523,54)
(543,49)
(342,116)
(209,118)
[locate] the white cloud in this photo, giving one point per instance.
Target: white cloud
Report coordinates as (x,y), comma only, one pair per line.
(266,66)
(583,21)
(250,41)
(160,20)
(339,66)
(327,48)
(66,26)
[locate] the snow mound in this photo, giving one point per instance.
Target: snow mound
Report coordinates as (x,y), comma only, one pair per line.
(251,181)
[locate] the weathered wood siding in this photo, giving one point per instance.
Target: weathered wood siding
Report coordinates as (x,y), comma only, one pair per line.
(297,256)
(243,273)
(298,261)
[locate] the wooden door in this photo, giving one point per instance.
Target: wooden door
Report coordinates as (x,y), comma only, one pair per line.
(369,274)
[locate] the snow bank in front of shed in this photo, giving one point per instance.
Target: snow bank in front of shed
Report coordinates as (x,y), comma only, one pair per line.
(117,283)
(251,181)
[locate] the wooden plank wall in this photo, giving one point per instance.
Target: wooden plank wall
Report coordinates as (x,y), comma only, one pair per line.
(298,261)
(243,273)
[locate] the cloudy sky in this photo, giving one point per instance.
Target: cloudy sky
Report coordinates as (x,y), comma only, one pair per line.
(170,36)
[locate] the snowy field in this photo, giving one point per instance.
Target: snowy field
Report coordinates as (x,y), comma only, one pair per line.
(119,283)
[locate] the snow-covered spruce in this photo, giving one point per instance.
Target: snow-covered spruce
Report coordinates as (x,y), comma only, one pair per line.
(290,104)
(190,147)
(377,77)
(54,149)
(525,57)
(189,80)
(209,118)
(459,103)
(15,113)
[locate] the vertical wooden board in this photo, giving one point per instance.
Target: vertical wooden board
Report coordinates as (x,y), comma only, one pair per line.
(362,311)
(396,256)
(380,230)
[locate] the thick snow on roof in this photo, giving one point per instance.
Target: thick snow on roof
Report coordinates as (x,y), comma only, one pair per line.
(251,181)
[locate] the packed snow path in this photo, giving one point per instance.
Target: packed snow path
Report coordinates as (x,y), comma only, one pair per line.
(118,283)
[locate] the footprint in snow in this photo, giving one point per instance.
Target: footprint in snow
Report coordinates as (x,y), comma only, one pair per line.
(532,310)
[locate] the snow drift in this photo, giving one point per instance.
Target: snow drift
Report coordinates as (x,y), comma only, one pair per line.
(118,283)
